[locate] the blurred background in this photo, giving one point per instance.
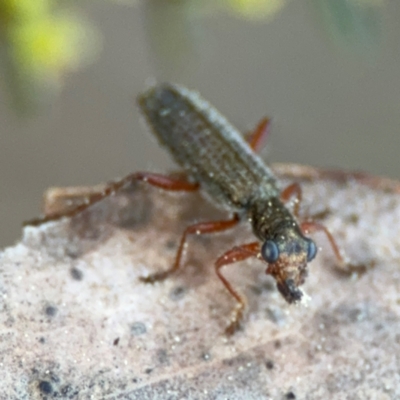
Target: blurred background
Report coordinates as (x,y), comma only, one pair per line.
(327,71)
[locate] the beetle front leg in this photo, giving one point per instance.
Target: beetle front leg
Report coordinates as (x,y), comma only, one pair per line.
(342,264)
(238,253)
(307,227)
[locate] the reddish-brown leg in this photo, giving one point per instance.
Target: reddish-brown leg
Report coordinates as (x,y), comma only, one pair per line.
(311,226)
(259,135)
(198,229)
(238,253)
(160,181)
(293,190)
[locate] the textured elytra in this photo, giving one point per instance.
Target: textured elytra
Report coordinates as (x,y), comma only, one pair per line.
(107,335)
(208,148)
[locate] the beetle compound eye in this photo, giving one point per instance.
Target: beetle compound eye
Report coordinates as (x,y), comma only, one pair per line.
(270,251)
(311,251)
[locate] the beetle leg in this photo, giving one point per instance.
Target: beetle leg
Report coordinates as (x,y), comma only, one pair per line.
(238,253)
(198,229)
(257,137)
(160,181)
(293,190)
(311,226)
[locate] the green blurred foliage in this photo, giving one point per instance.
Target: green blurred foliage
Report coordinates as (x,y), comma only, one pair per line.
(354,25)
(42,41)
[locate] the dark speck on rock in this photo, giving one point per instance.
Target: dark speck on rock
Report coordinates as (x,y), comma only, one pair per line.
(69,391)
(162,356)
(290,396)
(138,328)
(45,387)
(50,311)
(177,293)
(76,274)
(269,364)
(54,378)
(170,244)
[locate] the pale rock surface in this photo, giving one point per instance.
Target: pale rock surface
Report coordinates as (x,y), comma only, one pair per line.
(76,322)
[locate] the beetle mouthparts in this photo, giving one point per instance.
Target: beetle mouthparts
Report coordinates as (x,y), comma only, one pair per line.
(290,291)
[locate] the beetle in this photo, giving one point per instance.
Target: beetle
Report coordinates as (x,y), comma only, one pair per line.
(219,160)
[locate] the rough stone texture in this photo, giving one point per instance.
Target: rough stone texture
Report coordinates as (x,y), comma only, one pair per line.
(76,323)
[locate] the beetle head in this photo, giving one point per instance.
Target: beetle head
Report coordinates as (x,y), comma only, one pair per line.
(287,254)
